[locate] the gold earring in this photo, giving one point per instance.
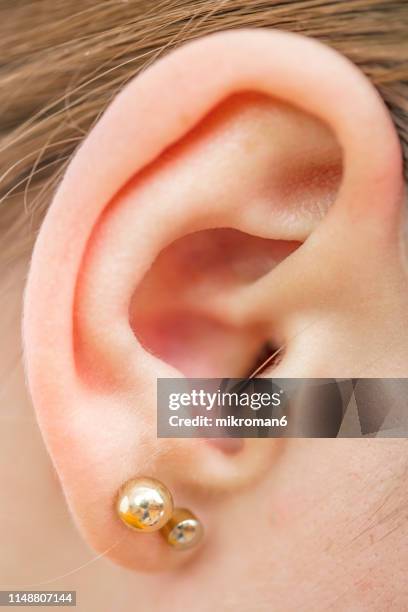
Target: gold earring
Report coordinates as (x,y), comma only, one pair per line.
(183,530)
(144,504)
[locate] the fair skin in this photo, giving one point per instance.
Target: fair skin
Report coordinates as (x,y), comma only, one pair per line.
(260,142)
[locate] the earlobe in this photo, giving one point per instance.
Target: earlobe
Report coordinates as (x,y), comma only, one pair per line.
(249,157)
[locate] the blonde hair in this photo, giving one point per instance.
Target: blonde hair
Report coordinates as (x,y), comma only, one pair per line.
(63,62)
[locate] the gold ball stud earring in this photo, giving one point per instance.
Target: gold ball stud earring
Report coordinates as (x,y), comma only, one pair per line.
(183,530)
(144,504)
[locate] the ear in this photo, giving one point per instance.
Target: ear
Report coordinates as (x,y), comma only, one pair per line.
(245,191)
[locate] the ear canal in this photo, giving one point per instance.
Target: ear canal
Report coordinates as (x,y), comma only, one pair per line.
(175,312)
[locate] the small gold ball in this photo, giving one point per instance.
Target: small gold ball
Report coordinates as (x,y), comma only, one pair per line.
(183,530)
(144,504)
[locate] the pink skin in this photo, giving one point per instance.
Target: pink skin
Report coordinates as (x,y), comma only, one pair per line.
(92,383)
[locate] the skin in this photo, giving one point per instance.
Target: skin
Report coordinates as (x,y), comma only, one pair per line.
(314,196)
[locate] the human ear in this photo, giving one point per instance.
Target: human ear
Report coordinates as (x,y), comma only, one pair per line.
(245,191)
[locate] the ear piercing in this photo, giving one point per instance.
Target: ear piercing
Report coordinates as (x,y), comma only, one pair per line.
(145,504)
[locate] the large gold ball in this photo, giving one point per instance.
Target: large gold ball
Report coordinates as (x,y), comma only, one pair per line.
(144,504)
